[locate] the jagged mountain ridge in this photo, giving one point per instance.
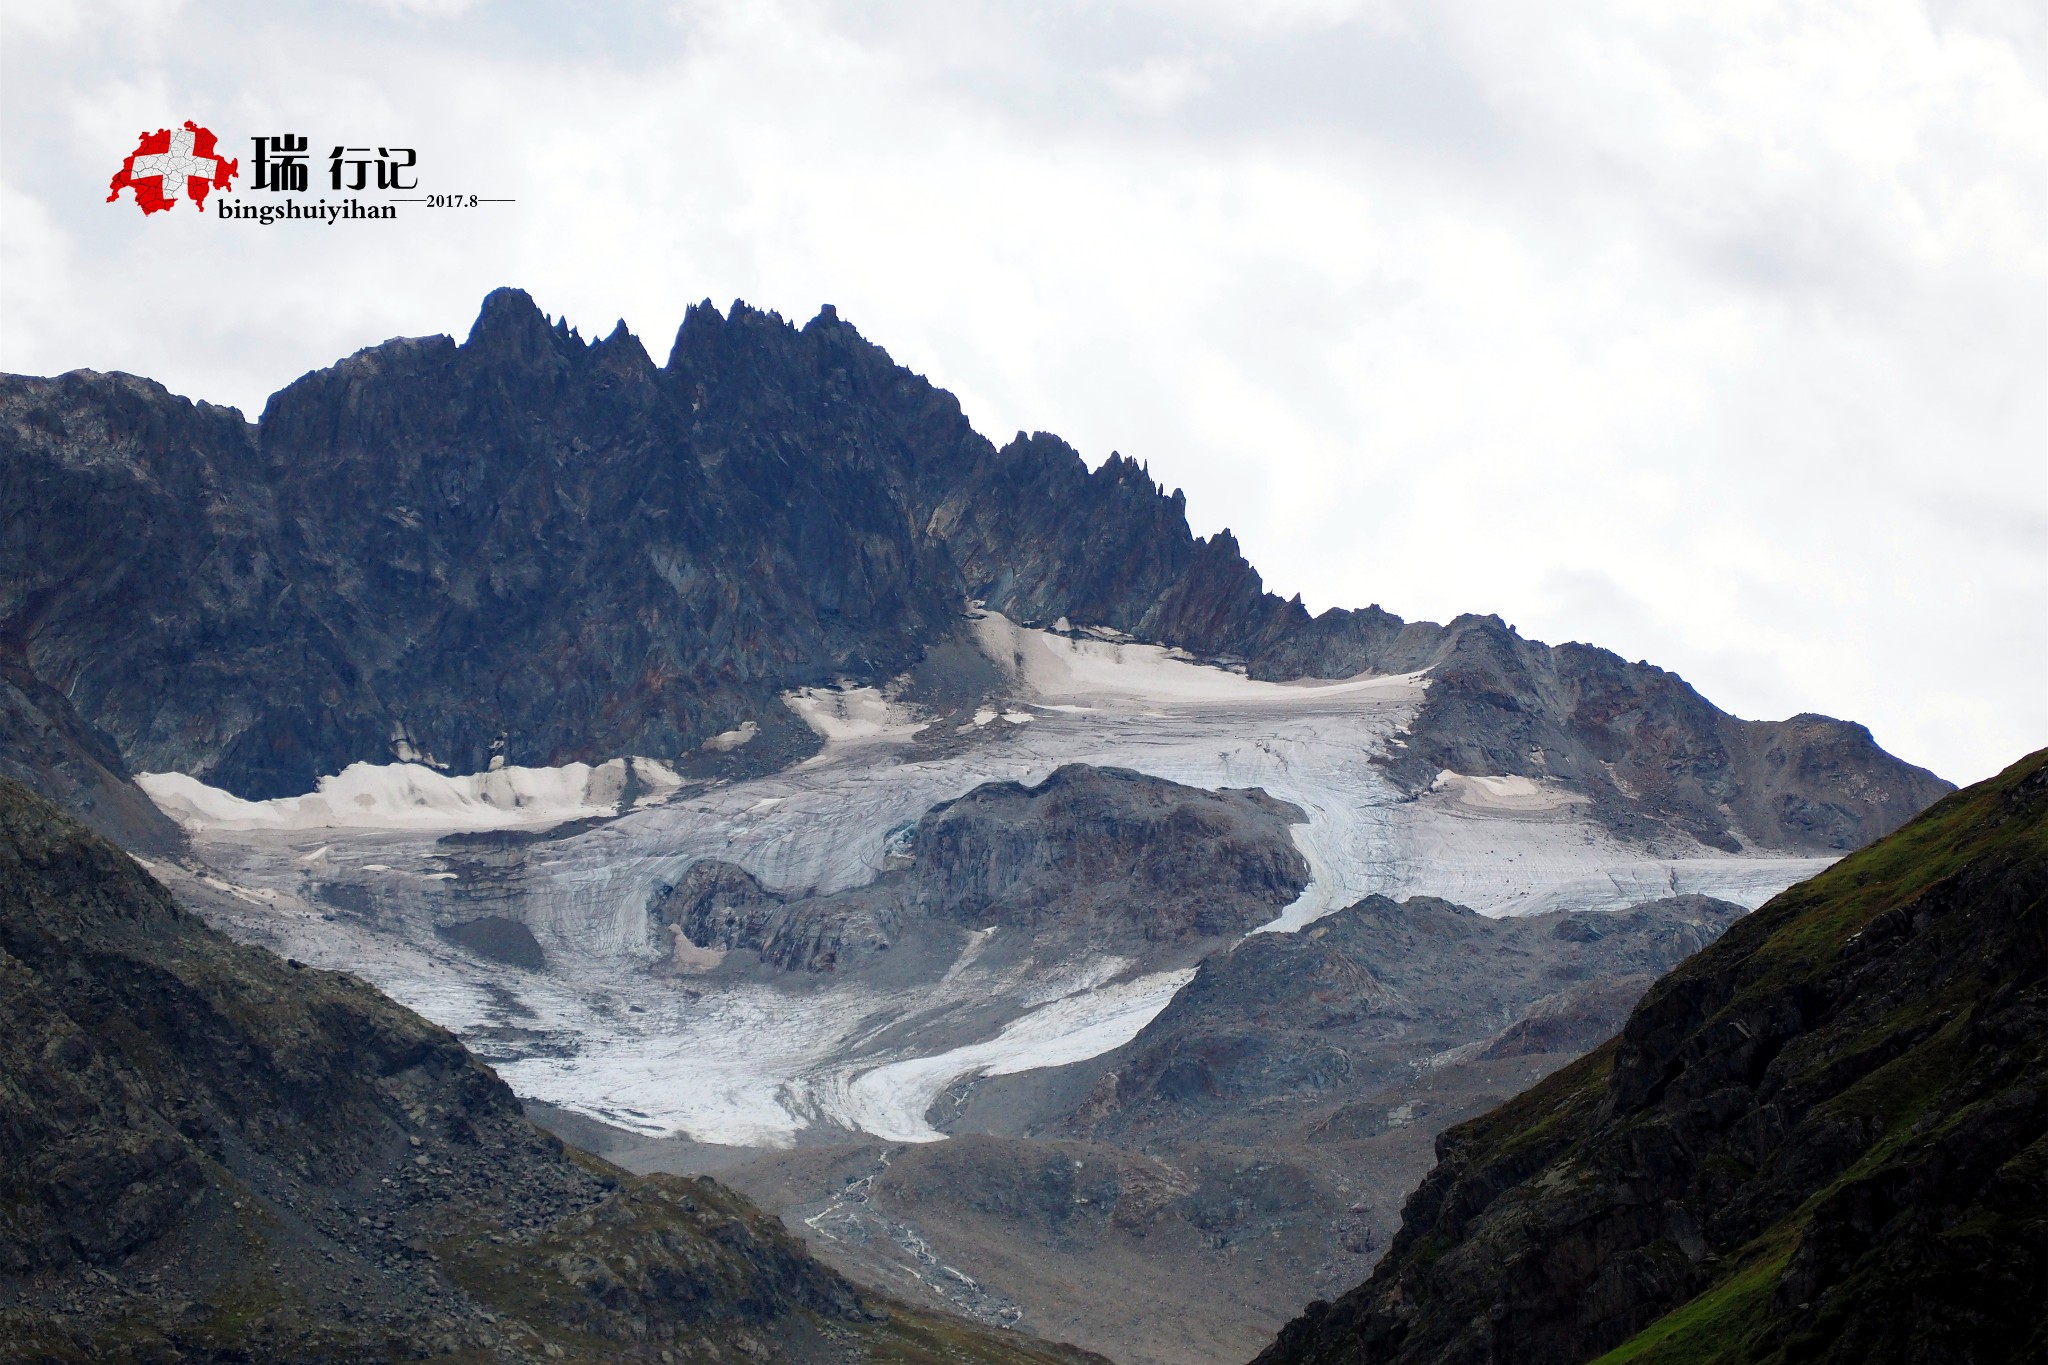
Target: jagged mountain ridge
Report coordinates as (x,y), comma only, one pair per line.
(1823,1138)
(532,548)
(208,1153)
(430,548)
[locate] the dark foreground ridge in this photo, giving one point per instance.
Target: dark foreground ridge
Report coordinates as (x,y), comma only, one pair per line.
(532,548)
(1823,1138)
(208,1154)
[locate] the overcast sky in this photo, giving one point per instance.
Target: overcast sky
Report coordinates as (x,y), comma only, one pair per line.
(1713,334)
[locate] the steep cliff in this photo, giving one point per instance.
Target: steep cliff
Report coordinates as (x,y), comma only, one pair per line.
(1824,1138)
(45,745)
(522,547)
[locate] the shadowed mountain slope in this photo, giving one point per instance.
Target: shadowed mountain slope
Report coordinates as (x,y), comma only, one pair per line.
(1823,1138)
(46,746)
(532,548)
(207,1153)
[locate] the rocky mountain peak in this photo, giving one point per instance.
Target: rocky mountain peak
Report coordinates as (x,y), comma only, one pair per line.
(511,326)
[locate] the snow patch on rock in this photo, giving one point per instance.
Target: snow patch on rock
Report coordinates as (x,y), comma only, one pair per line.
(1070,670)
(727,740)
(852,716)
(1515,794)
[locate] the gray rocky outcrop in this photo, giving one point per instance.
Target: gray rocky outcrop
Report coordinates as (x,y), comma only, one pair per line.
(1090,861)
(1281,1026)
(1135,855)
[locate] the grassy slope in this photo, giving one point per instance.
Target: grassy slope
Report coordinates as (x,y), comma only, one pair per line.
(1801,931)
(1906,1064)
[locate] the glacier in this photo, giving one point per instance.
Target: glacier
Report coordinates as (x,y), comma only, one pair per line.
(763,1063)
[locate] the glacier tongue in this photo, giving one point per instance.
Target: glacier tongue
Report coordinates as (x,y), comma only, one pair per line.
(890,1101)
(737,1061)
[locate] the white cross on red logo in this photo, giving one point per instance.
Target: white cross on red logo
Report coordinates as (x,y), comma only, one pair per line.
(177,166)
(173,163)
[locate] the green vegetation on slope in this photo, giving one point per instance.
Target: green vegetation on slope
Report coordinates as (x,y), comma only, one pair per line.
(1820,1139)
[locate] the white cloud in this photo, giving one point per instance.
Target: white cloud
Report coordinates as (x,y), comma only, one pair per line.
(1713,334)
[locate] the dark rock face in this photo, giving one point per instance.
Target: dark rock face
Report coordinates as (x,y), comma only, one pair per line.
(1100,859)
(143,577)
(722,907)
(529,547)
(1039,536)
(1647,748)
(207,1151)
(1283,1022)
(46,746)
(519,546)
(1110,847)
(1820,1139)
(499,939)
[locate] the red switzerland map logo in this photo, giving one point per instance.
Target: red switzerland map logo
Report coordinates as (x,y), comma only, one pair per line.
(164,163)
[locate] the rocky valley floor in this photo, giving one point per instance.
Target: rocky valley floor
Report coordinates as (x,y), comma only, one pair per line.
(1166,1255)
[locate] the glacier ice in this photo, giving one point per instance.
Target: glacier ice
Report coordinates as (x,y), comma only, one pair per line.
(749,1062)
